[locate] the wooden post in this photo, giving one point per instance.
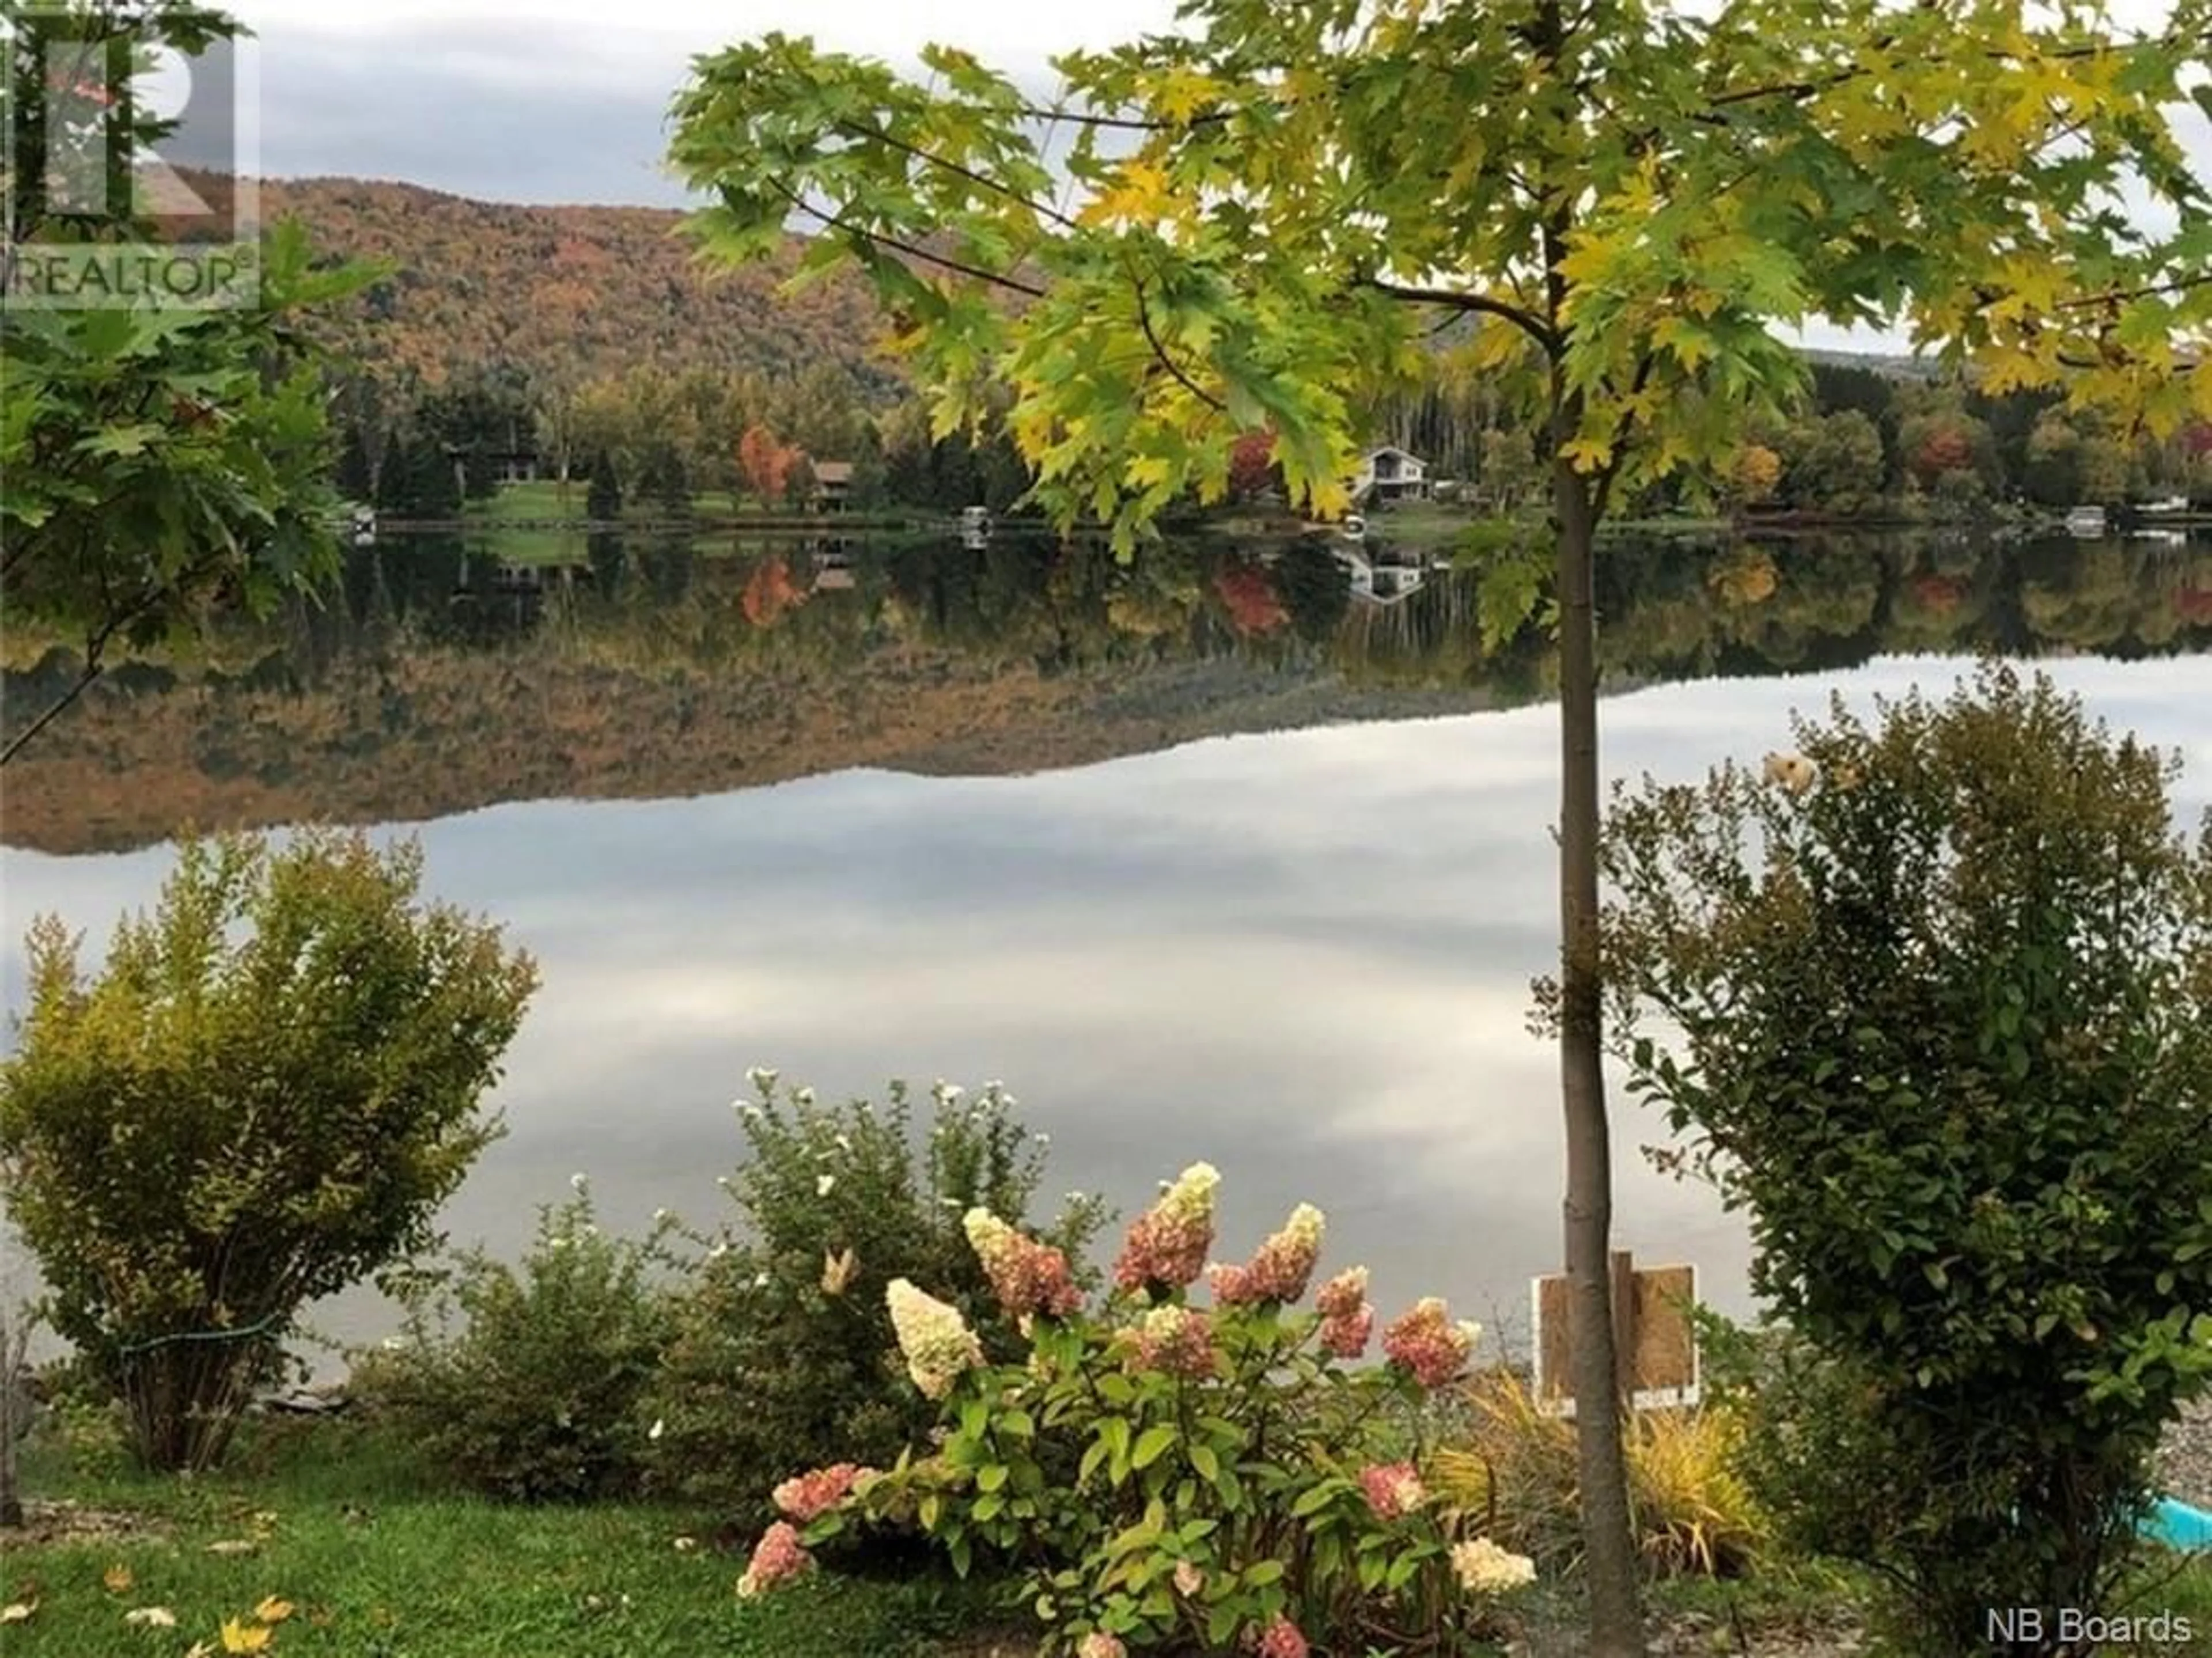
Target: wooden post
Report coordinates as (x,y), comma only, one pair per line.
(1624,1319)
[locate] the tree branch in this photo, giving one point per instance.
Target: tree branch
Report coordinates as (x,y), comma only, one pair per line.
(835,221)
(1125,123)
(1603,491)
(2120,296)
(96,645)
(853,129)
(1528,322)
(1160,351)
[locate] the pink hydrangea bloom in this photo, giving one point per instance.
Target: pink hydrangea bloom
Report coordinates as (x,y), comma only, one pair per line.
(812,1495)
(1394,1489)
(1344,1295)
(1281,1639)
(779,1555)
(1175,1340)
(1427,1343)
(1099,1644)
(1279,1269)
(1167,1244)
(1027,1276)
(938,1343)
(1346,1336)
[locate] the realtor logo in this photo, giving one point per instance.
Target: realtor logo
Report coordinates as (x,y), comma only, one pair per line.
(126,158)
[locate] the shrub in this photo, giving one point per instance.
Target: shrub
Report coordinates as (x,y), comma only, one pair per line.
(1224,1483)
(782,1356)
(537,1398)
(1940,1000)
(1692,1509)
(265,1097)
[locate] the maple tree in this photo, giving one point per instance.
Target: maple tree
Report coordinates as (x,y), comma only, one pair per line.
(159,461)
(765,464)
(1251,465)
(1613,198)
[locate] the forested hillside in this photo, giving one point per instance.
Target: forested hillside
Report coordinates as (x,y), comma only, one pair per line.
(587,342)
(560,295)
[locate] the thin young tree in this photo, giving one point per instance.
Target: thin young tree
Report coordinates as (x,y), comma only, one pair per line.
(1260,218)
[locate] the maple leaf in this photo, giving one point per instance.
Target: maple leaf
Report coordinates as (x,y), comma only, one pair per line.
(238,1636)
(273,1610)
(117,1578)
(151,1617)
(18,1611)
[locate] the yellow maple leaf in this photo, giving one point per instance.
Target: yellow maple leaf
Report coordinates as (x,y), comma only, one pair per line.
(1184,91)
(273,1611)
(1587,454)
(239,1636)
(117,1578)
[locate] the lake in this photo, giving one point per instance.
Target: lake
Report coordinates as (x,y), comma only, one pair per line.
(1208,857)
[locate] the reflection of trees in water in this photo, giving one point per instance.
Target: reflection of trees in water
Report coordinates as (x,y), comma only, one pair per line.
(1667,609)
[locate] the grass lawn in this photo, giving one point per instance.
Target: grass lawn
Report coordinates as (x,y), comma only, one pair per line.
(376,1566)
(330,1517)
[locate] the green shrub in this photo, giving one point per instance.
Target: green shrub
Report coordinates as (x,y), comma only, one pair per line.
(1160,1476)
(783,1355)
(536,1397)
(1934,997)
(265,1097)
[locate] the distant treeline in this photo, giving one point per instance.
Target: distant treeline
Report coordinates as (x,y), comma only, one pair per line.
(1868,442)
(659,440)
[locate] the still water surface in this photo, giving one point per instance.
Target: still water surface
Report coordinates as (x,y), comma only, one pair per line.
(1302,955)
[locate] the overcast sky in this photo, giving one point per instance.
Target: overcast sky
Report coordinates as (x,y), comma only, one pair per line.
(564,101)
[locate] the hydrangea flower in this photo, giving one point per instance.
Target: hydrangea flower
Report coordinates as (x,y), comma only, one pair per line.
(779,1555)
(814,1494)
(938,1343)
(1281,1639)
(1175,1340)
(1394,1489)
(1483,1568)
(1189,1579)
(1346,1319)
(1099,1644)
(1027,1276)
(1427,1343)
(1279,1269)
(1167,1244)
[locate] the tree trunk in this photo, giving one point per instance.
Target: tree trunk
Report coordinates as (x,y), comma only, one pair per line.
(1609,1551)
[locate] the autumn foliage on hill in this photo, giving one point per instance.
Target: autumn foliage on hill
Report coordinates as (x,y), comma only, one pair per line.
(564,294)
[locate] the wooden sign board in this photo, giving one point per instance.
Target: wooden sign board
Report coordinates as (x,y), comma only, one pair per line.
(1651,1333)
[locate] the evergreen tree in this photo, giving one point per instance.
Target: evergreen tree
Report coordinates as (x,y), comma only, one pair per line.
(603,503)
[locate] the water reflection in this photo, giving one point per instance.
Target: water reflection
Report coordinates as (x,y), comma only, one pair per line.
(1302,955)
(448,675)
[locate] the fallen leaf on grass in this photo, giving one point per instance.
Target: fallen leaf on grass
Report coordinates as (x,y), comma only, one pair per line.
(686,1545)
(200,1649)
(18,1611)
(320,1616)
(242,1636)
(151,1617)
(233,1546)
(117,1578)
(273,1611)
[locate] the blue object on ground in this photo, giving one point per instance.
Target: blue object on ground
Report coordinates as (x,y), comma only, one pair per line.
(2178,1526)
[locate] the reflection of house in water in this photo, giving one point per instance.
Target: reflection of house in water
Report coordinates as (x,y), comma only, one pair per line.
(1384,578)
(833,572)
